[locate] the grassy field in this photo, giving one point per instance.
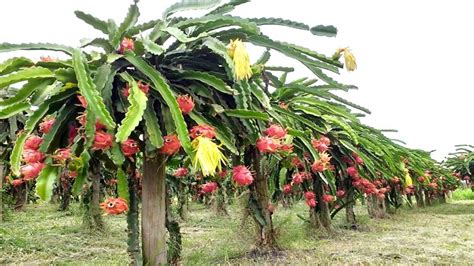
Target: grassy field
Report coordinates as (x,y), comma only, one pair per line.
(437,234)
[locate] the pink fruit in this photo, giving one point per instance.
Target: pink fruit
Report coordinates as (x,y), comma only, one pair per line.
(202,130)
(102,140)
(318,166)
(268,145)
(32,156)
(311,203)
(352,171)
(185,103)
(275,131)
(130,147)
(327,198)
(33,142)
(340,193)
(287,189)
(208,187)
(241,175)
(171,145)
(298,178)
(180,172)
(62,155)
(309,195)
(126,44)
(46,125)
(31,171)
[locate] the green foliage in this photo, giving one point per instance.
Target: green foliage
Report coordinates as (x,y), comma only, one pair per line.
(161,85)
(25,74)
(152,126)
(185,5)
(138,103)
(463,194)
(89,90)
(327,31)
(13,64)
(45,182)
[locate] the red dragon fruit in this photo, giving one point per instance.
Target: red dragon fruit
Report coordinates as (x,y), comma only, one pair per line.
(268,145)
(208,188)
(311,203)
(130,147)
(357,158)
(171,145)
(32,156)
(275,131)
(287,189)
(126,44)
(309,195)
(320,145)
(202,130)
(222,173)
(340,193)
(318,166)
(241,175)
(62,155)
(114,206)
(327,198)
(186,103)
(46,125)
(296,162)
(102,140)
(298,178)
(33,142)
(31,171)
(180,172)
(352,171)
(288,148)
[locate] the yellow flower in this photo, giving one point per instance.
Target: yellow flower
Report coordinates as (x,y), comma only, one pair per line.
(349,58)
(208,156)
(239,55)
(408,181)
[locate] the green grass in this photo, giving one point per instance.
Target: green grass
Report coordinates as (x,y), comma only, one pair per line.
(463,194)
(437,234)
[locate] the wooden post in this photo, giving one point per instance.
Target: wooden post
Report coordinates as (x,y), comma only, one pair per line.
(154,210)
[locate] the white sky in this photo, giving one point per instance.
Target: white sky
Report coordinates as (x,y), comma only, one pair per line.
(414,57)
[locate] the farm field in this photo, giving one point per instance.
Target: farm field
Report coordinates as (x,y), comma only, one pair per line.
(436,234)
(212,132)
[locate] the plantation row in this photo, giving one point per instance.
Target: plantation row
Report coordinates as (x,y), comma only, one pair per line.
(174,110)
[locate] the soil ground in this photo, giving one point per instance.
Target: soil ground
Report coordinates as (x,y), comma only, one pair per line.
(438,234)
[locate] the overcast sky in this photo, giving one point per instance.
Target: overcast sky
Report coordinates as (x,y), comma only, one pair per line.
(415,58)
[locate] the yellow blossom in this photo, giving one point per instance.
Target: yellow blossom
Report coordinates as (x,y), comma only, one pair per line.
(208,156)
(349,58)
(239,55)
(408,181)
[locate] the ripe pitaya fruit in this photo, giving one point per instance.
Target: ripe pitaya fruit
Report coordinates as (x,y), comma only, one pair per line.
(171,145)
(275,131)
(186,103)
(241,175)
